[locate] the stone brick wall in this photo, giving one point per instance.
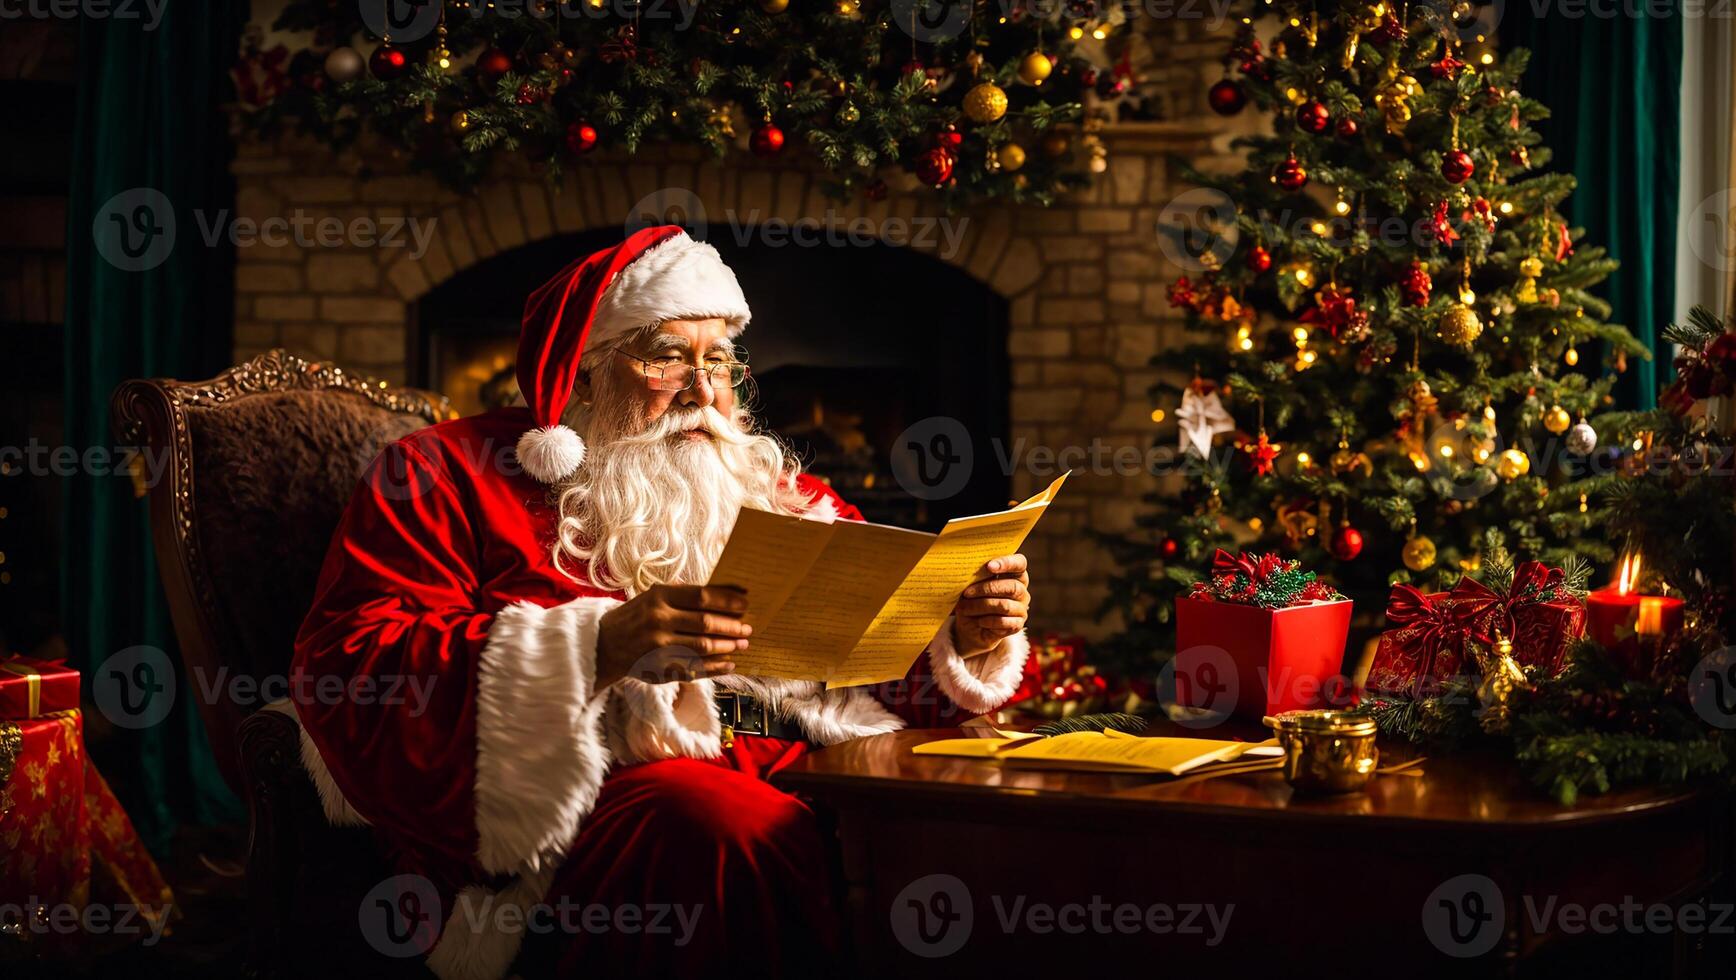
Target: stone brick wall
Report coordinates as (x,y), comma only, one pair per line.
(1085,280)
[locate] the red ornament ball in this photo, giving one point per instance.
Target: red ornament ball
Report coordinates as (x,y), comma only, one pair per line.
(1415,285)
(1289,174)
(1312,117)
(387,62)
(1346,543)
(1457,167)
(767,140)
(934,167)
(494,63)
(1227,97)
(529,94)
(1258,259)
(1347,128)
(581,138)
(1169,548)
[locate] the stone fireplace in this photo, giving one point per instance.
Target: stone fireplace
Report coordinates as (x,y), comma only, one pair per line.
(1046,317)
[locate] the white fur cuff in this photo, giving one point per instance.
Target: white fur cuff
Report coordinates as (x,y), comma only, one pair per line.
(983,683)
(648,722)
(540,752)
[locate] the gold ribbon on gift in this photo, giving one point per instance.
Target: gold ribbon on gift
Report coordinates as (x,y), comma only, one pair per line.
(11,743)
(32,684)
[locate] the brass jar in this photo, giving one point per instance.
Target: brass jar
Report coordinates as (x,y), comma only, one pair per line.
(1327,751)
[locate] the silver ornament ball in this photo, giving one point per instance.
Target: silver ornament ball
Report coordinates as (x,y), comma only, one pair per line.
(1581,439)
(344,65)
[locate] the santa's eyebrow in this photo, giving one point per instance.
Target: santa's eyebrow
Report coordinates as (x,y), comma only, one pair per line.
(667,341)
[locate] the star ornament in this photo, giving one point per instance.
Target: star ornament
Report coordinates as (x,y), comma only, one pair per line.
(1200,417)
(1262,453)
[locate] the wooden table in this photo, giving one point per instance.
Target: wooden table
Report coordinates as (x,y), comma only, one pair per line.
(960,867)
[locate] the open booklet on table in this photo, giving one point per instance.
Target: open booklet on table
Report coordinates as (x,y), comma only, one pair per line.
(850,603)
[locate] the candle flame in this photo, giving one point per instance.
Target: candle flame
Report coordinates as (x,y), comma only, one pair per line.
(1628,573)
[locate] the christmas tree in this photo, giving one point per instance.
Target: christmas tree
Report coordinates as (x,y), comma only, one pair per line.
(964,96)
(1392,335)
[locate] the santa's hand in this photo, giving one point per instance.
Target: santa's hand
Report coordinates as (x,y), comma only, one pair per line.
(672,633)
(993,607)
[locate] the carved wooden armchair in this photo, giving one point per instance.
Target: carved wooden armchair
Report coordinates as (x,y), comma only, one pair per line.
(254,469)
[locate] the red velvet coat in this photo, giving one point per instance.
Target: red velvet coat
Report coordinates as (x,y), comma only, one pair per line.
(443,677)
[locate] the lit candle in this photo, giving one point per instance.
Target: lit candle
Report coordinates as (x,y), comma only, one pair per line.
(1618,616)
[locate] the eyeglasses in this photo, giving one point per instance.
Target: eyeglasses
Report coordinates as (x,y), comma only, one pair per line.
(681,376)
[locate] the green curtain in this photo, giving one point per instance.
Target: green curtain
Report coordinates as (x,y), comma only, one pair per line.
(150,149)
(1614,88)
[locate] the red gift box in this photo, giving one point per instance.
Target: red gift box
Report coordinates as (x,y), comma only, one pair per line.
(1425,648)
(33,688)
(1253,661)
(65,843)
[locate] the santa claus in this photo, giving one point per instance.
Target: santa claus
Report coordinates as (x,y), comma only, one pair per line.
(585,756)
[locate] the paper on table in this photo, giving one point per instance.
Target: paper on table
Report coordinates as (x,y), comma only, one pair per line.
(970,748)
(1107,751)
(852,603)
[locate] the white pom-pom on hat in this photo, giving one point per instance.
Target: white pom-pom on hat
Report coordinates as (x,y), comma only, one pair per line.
(551,453)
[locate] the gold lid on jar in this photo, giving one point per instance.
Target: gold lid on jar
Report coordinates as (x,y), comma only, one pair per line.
(1324,721)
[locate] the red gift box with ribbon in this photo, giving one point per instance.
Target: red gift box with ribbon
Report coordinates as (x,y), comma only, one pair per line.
(1246,648)
(33,688)
(1426,645)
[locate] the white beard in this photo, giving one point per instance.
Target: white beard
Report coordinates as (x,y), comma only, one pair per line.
(653,506)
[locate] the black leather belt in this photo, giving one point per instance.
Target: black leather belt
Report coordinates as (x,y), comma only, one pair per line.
(744,714)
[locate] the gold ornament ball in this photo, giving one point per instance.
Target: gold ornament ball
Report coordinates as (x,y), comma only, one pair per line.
(774,6)
(1035,68)
(1056,145)
(985,103)
(1459,326)
(1513,464)
(460,121)
(1011,156)
(1418,554)
(1556,420)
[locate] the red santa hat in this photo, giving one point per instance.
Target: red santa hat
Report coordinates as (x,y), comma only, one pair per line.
(657,274)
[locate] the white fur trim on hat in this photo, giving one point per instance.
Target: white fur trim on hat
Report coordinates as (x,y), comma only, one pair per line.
(677,279)
(551,453)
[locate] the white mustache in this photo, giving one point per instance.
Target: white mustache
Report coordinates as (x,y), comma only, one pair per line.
(674,422)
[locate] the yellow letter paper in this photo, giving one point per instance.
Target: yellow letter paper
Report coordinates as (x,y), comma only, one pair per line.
(852,603)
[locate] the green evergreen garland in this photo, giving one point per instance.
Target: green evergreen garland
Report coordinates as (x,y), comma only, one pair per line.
(834,76)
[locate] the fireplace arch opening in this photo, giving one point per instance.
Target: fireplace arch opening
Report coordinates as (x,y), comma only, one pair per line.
(850,346)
